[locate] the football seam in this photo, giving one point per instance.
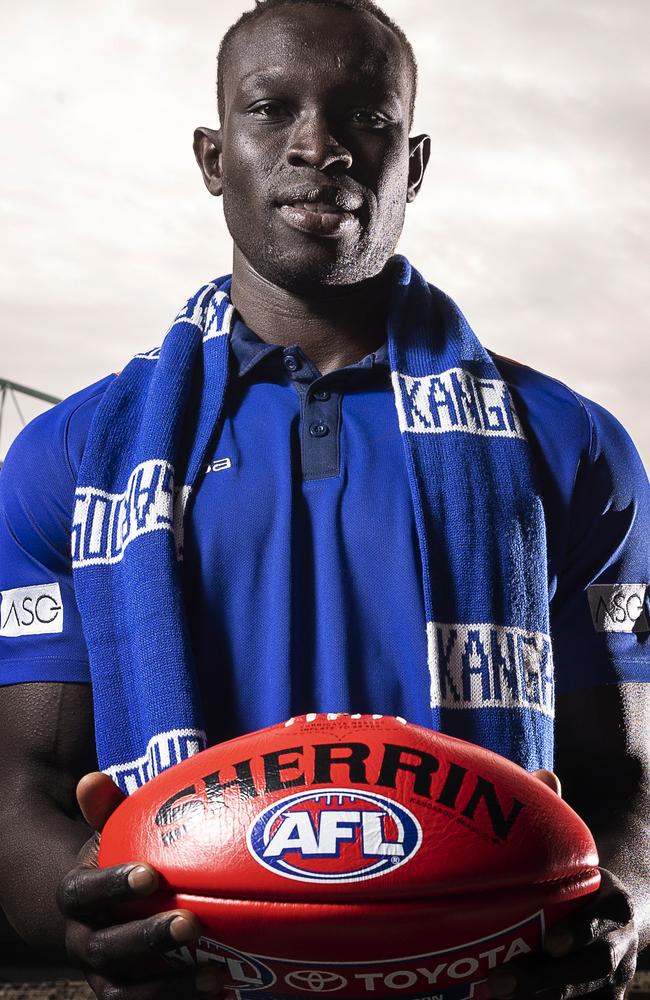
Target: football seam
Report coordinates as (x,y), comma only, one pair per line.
(568,880)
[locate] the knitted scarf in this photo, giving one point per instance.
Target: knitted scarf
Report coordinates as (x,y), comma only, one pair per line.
(479,520)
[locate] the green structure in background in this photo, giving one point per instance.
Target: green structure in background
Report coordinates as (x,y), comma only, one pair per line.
(14,390)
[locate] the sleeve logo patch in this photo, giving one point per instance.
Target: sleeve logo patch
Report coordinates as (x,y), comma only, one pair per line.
(618,607)
(34,610)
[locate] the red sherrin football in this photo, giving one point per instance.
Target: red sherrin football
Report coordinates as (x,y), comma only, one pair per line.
(358,856)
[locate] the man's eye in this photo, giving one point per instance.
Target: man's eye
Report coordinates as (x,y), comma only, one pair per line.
(363,116)
(267,109)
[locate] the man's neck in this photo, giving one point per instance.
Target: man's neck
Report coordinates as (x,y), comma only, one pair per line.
(333,331)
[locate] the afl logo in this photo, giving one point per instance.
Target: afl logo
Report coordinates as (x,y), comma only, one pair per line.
(334,836)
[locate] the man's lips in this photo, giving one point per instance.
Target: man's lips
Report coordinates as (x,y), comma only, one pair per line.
(322,210)
(318,218)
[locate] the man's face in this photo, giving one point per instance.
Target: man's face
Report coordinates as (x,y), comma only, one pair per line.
(315,150)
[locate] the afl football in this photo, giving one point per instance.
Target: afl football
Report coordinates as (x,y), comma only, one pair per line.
(356,855)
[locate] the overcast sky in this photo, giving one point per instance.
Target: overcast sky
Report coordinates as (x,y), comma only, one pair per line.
(534,213)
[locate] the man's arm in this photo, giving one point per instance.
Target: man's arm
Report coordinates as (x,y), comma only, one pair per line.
(603,761)
(46,745)
(49,852)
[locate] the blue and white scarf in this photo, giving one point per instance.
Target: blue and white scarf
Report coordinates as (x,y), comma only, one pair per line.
(479,520)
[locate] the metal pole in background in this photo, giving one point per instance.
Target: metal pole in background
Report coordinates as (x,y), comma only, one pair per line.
(14,389)
(26,391)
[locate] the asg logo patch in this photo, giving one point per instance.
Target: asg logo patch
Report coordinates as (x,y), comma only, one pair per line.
(618,607)
(334,836)
(36,610)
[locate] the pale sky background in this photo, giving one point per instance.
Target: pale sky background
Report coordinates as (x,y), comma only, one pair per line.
(533,216)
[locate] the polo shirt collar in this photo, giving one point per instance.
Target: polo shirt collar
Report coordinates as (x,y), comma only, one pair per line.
(248,350)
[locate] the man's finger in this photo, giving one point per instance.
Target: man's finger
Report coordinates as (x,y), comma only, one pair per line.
(550,779)
(135,948)
(91,891)
(590,967)
(610,907)
(98,797)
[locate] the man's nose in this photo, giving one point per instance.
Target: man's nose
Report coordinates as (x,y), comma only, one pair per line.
(313,144)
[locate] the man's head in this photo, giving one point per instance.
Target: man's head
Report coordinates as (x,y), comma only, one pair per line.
(313,156)
(262,6)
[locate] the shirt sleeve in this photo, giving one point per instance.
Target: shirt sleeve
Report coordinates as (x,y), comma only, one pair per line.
(600,615)
(41,637)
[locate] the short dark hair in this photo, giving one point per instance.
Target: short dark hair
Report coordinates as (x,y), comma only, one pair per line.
(261,7)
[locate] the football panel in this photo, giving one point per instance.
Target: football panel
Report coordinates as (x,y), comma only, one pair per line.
(325,811)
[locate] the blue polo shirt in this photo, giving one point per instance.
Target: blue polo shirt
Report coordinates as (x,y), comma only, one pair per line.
(302,573)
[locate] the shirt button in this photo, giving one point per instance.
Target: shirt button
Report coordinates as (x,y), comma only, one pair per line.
(322,395)
(319,430)
(291,363)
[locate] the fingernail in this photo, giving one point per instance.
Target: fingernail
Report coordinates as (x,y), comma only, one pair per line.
(558,943)
(140,878)
(502,984)
(208,981)
(182,929)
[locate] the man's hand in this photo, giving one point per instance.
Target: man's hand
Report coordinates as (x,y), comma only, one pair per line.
(123,961)
(592,952)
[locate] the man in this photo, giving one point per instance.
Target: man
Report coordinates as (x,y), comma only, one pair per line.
(323,529)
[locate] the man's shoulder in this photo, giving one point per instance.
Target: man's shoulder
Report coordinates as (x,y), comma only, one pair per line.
(571,429)
(552,408)
(52,444)
(533,384)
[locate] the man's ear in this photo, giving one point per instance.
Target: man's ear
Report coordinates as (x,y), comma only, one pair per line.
(419,153)
(208,148)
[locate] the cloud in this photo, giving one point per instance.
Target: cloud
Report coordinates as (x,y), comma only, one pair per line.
(533,214)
